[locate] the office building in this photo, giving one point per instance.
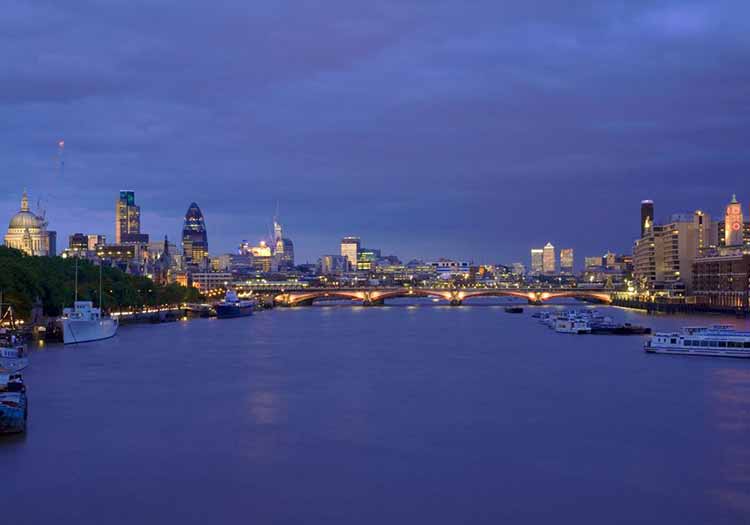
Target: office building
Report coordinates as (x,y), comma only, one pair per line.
(350,250)
(647,215)
(537,261)
(721,279)
(194,237)
(332,264)
(566,261)
(283,248)
(663,258)
(549,259)
(128,220)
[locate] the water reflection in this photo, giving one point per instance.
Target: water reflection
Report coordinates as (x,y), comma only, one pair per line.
(730,393)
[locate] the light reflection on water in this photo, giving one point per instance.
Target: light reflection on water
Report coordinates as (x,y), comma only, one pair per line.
(408,413)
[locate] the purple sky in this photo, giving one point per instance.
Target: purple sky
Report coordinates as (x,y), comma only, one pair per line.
(473,130)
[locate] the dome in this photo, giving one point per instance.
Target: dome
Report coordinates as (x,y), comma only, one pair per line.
(25,219)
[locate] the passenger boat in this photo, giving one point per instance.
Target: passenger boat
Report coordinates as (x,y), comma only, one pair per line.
(513,309)
(572,325)
(14,405)
(13,355)
(716,340)
(232,307)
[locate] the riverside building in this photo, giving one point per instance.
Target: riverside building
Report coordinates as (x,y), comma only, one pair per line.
(663,258)
(721,278)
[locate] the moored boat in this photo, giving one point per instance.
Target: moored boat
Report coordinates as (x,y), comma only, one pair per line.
(715,341)
(572,325)
(14,405)
(83,323)
(232,306)
(13,354)
(513,309)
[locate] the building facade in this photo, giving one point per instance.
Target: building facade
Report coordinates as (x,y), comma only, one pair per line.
(28,232)
(733,224)
(350,250)
(722,279)
(647,215)
(566,261)
(549,259)
(663,258)
(194,237)
(128,220)
(537,261)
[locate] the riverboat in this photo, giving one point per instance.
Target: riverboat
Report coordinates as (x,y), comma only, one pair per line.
(83,323)
(572,325)
(13,355)
(232,307)
(715,341)
(14,405)
(513,309)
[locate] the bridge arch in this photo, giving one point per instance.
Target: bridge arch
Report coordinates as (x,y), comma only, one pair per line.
(597,296)
(293,299)
(379,297)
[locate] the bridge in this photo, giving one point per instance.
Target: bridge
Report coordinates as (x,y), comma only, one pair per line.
(456,297)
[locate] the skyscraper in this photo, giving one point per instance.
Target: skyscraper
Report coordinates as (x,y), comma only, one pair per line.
(537,265)
(283,247)
(733,223)
(647,215)
(566,260)
(549,262)
(194,237)
(350,250)
(128,220)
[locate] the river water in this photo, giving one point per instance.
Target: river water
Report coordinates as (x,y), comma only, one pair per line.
(397,414)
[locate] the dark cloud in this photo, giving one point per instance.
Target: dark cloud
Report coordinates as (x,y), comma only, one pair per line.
(465,129)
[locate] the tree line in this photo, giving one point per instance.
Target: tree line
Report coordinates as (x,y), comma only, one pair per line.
(25,280)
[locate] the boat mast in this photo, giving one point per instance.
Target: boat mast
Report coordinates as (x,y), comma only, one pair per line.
(76,293)
(100,285)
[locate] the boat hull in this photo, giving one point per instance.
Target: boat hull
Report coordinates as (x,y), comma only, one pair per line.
(225,311)
(13,364)
(85,331)
(703,353)
(13,412)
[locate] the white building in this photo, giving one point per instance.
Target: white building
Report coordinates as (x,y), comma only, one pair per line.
(28,232)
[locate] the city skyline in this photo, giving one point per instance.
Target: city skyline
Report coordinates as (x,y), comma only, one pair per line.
(409,132)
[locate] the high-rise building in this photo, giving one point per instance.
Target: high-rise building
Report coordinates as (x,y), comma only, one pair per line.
(549,262)
(537,261)
(647,215)
(94,240)
(566,260)
(194,237)
(733,223)
(128,220)
(593,263)
(350,250)
(663,257)
(283,247)
(330,264)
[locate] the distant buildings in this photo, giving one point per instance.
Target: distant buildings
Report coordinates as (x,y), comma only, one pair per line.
(549,262)
(566,261)
(194,238)
(350,250)
(537,261)
(332,264)
(647,215)
(128,220)
(28,232)
(283,248)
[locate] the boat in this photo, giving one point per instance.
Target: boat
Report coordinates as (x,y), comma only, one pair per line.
(513,310)
(716,341)
(13,354)
(611,328)
(232,306)
(14,405)
(572,325)
(83,323)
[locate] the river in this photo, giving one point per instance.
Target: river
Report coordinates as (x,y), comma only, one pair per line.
(398,414)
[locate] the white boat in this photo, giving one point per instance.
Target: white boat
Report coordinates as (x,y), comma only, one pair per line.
(13,356)
(717,341)
(572,325)
(84,323)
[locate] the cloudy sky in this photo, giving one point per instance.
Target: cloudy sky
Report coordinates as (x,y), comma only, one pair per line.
(473,130)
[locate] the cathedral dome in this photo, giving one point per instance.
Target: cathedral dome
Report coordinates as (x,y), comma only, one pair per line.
(24,218)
